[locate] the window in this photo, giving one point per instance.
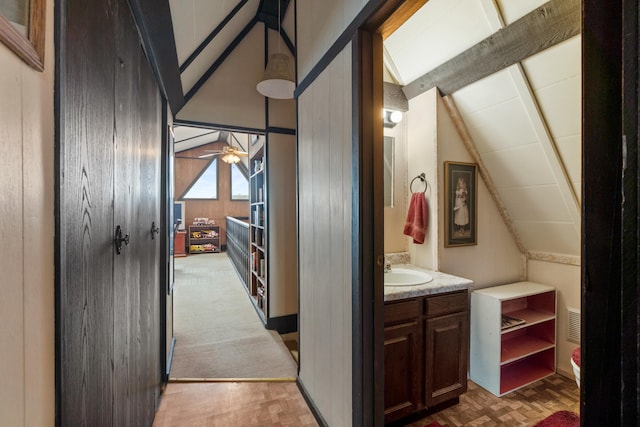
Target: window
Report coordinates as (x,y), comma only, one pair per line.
(239,184)
(206,185)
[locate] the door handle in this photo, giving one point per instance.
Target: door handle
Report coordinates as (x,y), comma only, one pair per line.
(119,240)
(154,230)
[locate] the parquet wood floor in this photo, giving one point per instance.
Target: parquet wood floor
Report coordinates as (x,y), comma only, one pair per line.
(281,404)
(231,404)
(524,407)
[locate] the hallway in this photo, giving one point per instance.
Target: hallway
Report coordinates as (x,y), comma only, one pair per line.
(218,333)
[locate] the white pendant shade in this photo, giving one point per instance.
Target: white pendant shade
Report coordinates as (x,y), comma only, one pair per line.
(277,81)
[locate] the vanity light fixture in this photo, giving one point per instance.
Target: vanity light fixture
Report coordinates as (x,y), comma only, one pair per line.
(391,118)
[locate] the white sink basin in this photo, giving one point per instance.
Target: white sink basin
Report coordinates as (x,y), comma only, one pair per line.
(405,277)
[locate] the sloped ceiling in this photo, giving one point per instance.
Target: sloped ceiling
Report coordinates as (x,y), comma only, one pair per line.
(523,119)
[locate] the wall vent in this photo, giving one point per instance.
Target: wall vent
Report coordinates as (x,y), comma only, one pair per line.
(573,325)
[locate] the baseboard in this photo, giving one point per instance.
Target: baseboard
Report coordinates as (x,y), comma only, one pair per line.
(283,324)
(170,359)
(312,406)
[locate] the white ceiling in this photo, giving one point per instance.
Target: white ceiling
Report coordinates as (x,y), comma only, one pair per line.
(525,120)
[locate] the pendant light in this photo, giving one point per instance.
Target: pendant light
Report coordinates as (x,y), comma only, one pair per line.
(278,81)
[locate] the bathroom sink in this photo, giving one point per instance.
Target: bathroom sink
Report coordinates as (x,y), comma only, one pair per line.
(405,277)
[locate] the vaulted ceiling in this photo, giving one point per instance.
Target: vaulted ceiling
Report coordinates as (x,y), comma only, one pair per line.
(511,68)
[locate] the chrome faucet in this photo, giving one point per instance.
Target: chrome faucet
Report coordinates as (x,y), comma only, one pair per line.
(387,265)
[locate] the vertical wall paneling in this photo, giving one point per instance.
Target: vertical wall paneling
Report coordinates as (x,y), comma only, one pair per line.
(109,163)
(12,411)
(27,226)
(324,138)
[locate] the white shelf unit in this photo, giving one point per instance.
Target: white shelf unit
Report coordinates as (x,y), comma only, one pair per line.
(504,360)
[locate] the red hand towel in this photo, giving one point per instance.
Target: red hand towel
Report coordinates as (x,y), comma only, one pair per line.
(417,218)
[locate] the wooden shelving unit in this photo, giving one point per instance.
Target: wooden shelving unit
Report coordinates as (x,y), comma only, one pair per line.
(272,283)
(203,239)
(504,359)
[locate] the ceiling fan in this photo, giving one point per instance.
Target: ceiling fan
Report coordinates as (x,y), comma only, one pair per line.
(228,154)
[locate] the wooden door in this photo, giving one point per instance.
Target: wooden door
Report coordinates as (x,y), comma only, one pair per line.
(108,358)
(446,352)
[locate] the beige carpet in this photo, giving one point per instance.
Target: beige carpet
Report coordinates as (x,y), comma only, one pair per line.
(218,332)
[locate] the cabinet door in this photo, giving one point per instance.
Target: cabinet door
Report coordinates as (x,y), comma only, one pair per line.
(446,352)
(402,370)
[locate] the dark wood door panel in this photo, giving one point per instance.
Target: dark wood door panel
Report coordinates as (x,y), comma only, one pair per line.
(402,370)
(85,216)
(446,350)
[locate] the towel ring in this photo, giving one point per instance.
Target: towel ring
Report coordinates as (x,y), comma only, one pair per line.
(422,178)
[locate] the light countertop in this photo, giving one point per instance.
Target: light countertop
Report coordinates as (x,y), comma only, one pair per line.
(441,283)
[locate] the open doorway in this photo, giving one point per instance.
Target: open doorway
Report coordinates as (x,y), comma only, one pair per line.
(219,326)
(519,124)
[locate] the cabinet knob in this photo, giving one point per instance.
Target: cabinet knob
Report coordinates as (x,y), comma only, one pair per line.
(119,240)
(154,230)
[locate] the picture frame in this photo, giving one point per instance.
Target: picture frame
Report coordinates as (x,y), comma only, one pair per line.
(22,30)
(461,204)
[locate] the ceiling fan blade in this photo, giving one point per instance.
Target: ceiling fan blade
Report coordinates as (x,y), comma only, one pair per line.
(208,155)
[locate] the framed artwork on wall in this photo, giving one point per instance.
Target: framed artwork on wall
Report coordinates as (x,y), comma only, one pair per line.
(461,204)
(22,27)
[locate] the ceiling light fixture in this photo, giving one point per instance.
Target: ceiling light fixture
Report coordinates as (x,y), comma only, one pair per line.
(278,81)
(230,158)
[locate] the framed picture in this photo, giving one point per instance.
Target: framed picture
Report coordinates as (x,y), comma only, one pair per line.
(461,204)
(22,26)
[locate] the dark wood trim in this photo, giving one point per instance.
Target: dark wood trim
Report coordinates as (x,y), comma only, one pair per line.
(368,245)
(283,324)
(394,97)
(546,26)
(312,405)
(59,23)
(217,126)
(211,36)
(602,243)
(203,79)
(630,221)
(153,20)
(285,131)
(372,9)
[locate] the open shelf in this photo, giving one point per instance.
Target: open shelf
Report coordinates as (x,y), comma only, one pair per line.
(526,371)
(503,360)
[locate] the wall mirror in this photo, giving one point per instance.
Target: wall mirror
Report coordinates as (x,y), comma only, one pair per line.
(389,149)
(22,28)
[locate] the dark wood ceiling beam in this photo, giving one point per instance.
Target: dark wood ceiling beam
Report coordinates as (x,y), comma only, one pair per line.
(211,36)
(153,21)
(201,81)
(546,26)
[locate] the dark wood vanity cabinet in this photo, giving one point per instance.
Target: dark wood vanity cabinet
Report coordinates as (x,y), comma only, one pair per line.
(426,352)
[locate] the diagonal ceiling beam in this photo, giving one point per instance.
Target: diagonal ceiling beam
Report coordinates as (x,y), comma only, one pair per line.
(201,81)
(546,26)
(540,126)
(211,36)
(153,20)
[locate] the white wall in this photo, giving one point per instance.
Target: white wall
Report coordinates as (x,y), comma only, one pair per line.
(566,279)
(422,158)
(432,140)
(27,228)
(325,248)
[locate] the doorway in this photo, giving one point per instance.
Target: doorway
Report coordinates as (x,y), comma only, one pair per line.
(218,325)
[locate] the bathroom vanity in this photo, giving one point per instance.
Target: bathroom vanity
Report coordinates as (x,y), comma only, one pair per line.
(426,345)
